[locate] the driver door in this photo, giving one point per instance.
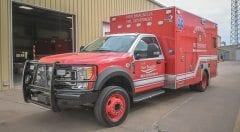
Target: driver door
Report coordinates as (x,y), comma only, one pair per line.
(149,65)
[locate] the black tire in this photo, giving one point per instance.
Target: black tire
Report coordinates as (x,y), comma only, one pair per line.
(100,109)
(202,85)
(193,87)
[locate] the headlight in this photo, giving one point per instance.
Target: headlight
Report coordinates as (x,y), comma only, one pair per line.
(84,73)
(83,85)
(61,72)
(31,67)
(78,77)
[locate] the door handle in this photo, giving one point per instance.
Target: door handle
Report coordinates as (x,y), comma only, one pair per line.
(158,62)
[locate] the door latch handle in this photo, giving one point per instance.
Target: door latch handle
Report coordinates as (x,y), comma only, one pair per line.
(158,62)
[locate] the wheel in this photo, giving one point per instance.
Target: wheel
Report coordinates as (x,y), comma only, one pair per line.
(202,86)
(192,87)
(112,106)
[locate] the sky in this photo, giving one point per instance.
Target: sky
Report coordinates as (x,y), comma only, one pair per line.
(218,11)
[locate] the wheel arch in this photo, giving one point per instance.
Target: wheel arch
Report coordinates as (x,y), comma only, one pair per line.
(206,70)
(115,76)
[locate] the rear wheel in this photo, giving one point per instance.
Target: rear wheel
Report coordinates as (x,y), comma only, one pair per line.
(202,86)
(112,106)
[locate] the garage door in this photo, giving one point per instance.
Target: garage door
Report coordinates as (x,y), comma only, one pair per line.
(37,33)
(238,55)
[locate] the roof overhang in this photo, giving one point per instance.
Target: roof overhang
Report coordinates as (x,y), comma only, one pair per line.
(157,3)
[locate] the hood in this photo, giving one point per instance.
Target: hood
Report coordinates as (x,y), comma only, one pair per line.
(85,58)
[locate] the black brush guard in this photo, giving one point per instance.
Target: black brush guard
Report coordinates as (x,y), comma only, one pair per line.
(43,91)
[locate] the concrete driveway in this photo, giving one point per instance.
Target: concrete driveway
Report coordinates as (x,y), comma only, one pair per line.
(215,110)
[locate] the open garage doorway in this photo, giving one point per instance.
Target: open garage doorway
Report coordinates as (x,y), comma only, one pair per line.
(38,32)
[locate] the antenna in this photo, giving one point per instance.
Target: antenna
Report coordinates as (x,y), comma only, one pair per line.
(235,22)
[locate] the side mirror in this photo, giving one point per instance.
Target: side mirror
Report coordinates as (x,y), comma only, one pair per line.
(153,50)
(81,48)
(138,54)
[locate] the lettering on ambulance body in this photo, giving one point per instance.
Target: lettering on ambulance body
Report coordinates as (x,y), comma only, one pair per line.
(148,71)
(139,17)
(199,30)
(199,47)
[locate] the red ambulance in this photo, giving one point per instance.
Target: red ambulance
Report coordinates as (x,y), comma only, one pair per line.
(145,53)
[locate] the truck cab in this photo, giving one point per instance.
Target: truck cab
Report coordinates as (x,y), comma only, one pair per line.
(146,57)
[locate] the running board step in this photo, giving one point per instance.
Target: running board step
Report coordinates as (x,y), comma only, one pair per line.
(147,95)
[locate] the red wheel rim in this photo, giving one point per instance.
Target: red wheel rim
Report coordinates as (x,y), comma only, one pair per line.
(115,107)
(204,82)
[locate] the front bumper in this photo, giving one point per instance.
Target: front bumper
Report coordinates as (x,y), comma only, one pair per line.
(72,98)
(50,95)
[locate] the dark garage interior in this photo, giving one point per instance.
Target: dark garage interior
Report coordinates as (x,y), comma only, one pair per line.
(38,33)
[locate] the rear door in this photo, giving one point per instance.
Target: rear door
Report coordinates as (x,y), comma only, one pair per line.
(148,70)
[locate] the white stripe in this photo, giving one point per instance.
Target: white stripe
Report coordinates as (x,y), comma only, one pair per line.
(179,77)
(187,75)
(150,84)
(184,73)
(148,78)
(149,81)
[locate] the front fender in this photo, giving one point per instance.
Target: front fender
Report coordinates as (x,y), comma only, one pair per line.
(110,73)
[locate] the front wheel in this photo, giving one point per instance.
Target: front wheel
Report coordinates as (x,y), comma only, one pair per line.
(112,106)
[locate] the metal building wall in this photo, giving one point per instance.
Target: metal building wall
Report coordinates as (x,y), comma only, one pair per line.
(0,46)
(89,15)
(5,43)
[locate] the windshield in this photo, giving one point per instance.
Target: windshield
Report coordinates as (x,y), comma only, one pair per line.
(111,44)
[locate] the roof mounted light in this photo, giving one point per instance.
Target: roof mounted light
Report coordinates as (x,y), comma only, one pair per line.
(178,12)
(138,25)
(26,7)
(168,11)
(160,23)
(119,26)
(129,25)
(149,23)
(203,21)
(114,19)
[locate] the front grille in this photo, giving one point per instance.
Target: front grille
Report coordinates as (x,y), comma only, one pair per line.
(43,75)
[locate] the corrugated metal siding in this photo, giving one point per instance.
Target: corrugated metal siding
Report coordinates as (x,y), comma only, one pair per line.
(0,47)
(90,13)
(89,16)
(5,42)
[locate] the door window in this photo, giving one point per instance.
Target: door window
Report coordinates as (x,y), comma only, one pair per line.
(147,48)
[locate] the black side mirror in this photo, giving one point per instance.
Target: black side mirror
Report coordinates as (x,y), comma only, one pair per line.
(138,54)
(81,48)
(153,50)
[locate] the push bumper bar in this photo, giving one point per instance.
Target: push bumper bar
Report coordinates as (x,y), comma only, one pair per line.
(46,93)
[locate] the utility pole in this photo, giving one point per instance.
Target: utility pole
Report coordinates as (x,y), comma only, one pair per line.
(235,22)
